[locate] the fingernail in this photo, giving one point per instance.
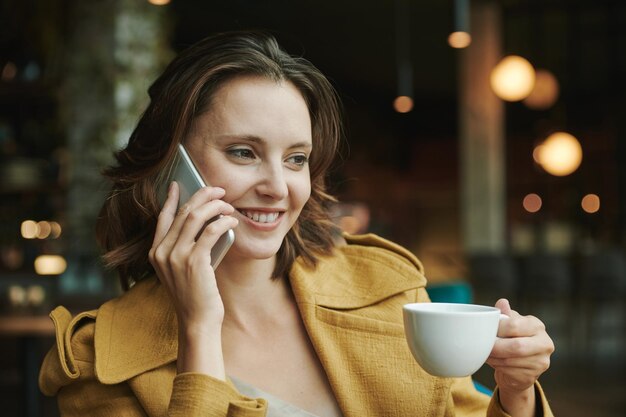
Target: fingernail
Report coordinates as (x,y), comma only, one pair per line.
(220,190)
(170,188)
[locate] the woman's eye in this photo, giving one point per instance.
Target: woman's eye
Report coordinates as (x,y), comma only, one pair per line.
(298,160)
(241,153)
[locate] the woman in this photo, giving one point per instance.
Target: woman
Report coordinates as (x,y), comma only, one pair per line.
(293,322)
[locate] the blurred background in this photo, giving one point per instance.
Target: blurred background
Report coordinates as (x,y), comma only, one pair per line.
(488,137)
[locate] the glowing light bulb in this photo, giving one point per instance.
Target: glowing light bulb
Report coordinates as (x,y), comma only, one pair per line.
(560,154)
(513,78)
(403,104)
(590,203)
(50,265)
(532,203)
(459,40)
(29,229)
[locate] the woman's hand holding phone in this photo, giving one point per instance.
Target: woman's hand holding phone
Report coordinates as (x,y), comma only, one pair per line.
(183,265)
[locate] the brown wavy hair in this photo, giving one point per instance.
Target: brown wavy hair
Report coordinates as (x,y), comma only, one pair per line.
(126,224)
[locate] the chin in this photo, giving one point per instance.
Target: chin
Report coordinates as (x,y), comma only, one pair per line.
(259,251)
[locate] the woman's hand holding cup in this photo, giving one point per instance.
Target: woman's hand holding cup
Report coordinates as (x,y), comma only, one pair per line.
(519,356)
(455,340)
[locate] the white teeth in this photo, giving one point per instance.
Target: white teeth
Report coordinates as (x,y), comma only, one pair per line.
(261,217)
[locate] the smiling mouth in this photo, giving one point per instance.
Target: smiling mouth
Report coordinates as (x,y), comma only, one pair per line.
(261,217)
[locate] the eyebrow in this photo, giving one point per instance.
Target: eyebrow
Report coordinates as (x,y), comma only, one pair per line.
(259,140)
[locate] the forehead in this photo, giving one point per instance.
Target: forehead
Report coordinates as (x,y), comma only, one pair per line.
(255,105)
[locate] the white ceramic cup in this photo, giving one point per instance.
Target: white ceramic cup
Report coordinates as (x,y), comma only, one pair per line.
(449,339)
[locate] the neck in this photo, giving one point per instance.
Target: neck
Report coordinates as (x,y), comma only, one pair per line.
(249,293)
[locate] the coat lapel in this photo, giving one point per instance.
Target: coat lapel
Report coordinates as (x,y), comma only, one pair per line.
(351,305)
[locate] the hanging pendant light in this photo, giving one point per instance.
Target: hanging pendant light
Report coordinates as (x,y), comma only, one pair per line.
(460,36)
(403,103)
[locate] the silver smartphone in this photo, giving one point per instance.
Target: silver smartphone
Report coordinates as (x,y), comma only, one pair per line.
(189,180)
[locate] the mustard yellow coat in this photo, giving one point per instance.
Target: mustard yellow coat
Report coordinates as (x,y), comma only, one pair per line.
(119,360)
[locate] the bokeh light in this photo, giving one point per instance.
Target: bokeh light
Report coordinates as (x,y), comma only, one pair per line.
(590,203)
(29,229)
(55,230)
(532,203)
(459,40)
(403,104)
(44,229)
(545,92)
(9,71)
(50,265)
(513,78)
(560,154)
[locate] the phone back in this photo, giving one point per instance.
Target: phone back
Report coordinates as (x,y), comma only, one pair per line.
(189,180)
(185,174)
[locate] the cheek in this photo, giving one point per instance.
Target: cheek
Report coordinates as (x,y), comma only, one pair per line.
(303,191)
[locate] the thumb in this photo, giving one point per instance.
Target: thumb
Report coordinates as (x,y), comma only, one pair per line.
(504,306)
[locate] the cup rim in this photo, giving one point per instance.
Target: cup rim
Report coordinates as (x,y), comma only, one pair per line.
(446,308)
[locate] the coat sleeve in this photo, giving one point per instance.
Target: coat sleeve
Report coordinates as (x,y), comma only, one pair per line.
(197,394)
(193,395)
(68,372)
(468,402)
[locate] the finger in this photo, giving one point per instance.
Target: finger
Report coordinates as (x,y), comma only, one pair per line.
(167,214)
(199,217)
(200,256)
(196,262)
(212,232)
(504,306)
(522,346)
(520,326)
(538,362)
(200,197)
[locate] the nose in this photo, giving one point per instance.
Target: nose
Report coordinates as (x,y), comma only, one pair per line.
(273,183)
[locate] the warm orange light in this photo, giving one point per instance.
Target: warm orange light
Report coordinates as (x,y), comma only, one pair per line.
(590,203)
(545,93)
(44,230)
(55,230)
(560,154)
(29,229)
(159,2)
(532,203)
(537,154)
(403,104)
(513,78)
(50,265)
(9,71)
(459,40)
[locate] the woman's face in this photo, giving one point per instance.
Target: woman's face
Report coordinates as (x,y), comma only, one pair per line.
(255,142)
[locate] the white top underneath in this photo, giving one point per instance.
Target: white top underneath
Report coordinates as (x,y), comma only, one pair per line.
(275,407)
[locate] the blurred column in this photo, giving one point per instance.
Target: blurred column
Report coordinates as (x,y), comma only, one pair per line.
(114,50)
(482,133)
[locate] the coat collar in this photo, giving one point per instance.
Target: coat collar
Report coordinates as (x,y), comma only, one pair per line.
(358,274)
(137,332)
